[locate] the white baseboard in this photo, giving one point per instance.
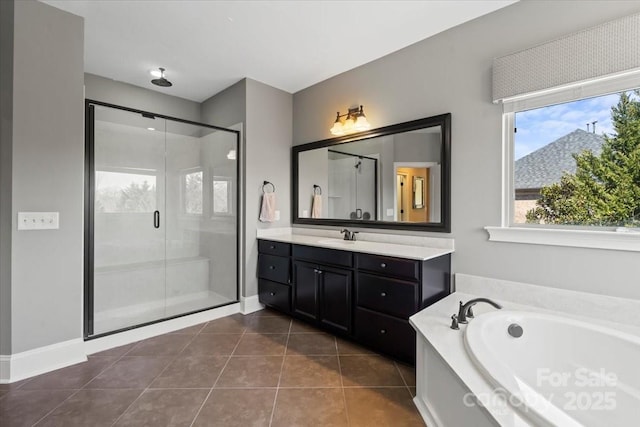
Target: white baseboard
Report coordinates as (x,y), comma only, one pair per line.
(38,361)
(5,369)
(127,337)
(426,413)
(250,304)
(29,363)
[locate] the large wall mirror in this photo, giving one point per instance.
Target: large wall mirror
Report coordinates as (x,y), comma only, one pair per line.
(394,177)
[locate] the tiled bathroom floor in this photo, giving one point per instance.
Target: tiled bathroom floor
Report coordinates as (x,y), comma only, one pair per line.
(263,369)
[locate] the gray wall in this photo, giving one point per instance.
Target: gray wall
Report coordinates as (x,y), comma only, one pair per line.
(99,88)
(451,72)
(6,148)
(226,108)
(313,167)
(268,157)
(48,169)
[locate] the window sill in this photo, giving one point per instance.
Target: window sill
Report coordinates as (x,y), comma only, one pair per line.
(612,240)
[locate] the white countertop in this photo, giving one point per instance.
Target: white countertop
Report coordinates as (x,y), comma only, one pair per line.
(378,248)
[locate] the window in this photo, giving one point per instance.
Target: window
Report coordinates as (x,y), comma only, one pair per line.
(222,196)
(576,163)
(192,193)
(563,183)
(124,192)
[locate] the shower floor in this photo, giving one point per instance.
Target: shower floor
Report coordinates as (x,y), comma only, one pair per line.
(112,320)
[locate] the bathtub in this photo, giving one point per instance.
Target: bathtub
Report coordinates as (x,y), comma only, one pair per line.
(560,371)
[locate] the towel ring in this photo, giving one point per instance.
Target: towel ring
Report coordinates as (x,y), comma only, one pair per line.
(268,183)
(317,189)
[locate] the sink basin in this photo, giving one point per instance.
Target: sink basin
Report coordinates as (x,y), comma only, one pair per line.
(337,242)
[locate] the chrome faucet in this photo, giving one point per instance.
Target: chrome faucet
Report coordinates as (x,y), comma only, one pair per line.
(465,309)
(349,235)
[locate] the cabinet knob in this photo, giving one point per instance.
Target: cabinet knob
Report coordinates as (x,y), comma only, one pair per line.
(272,267)
(319,271)
(272,247)
(383,294)
(383,265)
(383,331)
(272,294)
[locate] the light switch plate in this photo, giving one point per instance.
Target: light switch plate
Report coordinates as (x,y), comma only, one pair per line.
(390,212)
(38,220)
(277,216)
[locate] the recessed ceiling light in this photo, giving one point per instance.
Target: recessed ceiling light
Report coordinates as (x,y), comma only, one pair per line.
(151,128)
(155,73)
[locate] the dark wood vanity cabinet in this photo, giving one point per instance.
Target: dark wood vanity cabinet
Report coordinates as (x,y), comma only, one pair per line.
(323,282)
(274,275)
(388,291)
(365,297)
(322,294)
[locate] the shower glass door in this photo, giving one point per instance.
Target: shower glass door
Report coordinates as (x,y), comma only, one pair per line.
(201,218)
(162,218)
(128,230)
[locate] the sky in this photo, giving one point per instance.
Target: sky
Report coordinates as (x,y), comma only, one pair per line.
(539,127)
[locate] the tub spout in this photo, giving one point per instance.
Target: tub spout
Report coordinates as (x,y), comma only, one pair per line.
(463,311)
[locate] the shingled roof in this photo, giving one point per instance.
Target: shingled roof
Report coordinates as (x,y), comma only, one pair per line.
(546,165)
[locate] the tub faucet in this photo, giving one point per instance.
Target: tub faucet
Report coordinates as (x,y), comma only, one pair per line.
(465,309)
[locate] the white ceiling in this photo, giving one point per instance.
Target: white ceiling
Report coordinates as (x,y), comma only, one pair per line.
(208,45)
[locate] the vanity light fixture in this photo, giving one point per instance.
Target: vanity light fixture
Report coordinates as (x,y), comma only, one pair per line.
(355,121)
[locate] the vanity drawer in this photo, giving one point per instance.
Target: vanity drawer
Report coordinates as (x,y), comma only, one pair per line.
(275,268)
(390,296)
(398,267)
(275,295)
(270,247)
(323,256)
(387,334)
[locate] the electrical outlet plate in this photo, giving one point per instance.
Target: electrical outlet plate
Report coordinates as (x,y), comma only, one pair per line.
(38,220)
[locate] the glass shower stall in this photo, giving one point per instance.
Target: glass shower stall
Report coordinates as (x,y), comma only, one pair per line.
(161,234)
(353,184)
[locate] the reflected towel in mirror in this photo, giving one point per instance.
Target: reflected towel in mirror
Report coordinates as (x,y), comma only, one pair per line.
(268,210)
(316,206)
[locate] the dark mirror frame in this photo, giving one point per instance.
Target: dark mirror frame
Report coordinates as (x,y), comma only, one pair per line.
(444,226)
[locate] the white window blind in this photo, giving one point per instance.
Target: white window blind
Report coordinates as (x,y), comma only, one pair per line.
(609,49)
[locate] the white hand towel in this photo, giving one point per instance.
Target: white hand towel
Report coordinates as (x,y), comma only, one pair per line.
(316,206)
(268,211)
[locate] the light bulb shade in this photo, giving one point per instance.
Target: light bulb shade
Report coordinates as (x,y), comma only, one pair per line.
(361,123)
(349,124)
(231,155)
(337,128)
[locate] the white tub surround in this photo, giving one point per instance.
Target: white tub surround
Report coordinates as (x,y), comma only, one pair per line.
(453,388)
(410,247)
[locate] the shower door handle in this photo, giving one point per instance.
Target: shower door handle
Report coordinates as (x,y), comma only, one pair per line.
(156,219)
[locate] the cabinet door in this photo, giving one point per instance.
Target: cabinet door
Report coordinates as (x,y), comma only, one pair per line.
(305,290)
(335,298)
